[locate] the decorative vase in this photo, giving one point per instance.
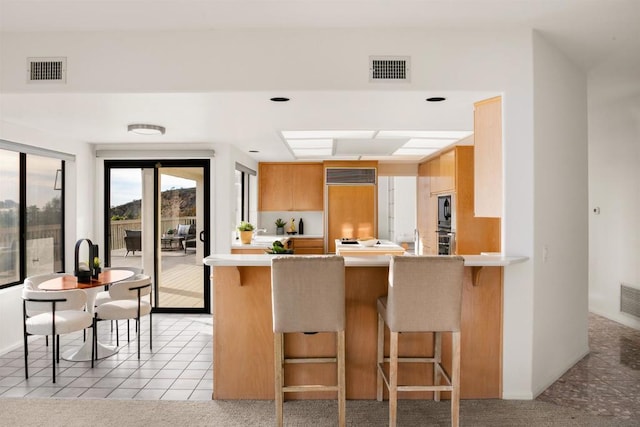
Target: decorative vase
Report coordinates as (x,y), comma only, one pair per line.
(96,272)
(245,237)
(279,230)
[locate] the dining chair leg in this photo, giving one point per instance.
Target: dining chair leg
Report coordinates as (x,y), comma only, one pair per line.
(138,334)
(128,337)
(46,340)
(57,348)
(53,357)
(26,352)
(117,337)
(150,331)
(93,343)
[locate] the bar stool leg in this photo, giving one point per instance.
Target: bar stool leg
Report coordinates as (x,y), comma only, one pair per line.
(342,406)
(455,379)
(393,378)
(437,355)
(380,360)
(279,380)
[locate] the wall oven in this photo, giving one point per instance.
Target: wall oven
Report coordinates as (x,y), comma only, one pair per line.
(445,236)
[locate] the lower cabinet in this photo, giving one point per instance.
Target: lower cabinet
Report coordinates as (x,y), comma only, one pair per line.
(307,246)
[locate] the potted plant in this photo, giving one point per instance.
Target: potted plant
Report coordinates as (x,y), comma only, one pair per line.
(246,232)
(280,226)
(96,267)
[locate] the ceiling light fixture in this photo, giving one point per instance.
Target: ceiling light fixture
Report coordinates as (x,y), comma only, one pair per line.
(279,99)
(143,129)
(436,99)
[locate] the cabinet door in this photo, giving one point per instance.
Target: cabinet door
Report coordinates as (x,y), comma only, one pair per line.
(274,187)
(488,157)
(430,238)
(307,185)
(447,173)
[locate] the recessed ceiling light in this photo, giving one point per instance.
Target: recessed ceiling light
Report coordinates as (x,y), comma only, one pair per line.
(253,151)
(279,99)
(436,99)
(144,129)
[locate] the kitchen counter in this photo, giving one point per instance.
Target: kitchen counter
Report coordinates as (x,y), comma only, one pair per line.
(243,344)
(264,260)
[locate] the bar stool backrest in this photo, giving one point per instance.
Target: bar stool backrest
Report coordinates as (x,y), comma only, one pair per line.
(308,293)
(425,293)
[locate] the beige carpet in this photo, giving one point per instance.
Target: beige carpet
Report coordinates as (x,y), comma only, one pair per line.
(121,413)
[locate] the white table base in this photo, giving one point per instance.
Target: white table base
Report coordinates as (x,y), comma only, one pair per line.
(84,352)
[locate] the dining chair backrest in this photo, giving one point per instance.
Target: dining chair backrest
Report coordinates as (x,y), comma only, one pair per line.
(128,289)
(425,293)
(74,299)
(32,282)
(308,293)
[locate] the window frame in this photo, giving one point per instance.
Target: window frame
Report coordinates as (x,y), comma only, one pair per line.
(22,213)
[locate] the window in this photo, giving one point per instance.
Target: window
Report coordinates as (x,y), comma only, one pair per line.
(246,194)
(31,200)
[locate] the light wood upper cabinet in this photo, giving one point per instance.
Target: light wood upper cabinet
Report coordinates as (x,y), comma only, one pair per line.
(290,187)
(307,187)
(488,157)
(454,174)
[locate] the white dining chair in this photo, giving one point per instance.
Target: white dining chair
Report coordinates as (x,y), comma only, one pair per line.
(127,303)
(53,313)
(104,296)
(33,283)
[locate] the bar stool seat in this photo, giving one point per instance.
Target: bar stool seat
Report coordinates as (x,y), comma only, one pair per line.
(424,295)
(308,296)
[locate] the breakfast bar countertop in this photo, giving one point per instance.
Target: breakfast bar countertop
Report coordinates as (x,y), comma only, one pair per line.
(264,260)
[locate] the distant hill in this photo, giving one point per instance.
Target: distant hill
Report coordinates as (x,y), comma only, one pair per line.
(175,203)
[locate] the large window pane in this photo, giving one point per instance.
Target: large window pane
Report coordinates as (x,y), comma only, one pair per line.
(44,215)
(9,216)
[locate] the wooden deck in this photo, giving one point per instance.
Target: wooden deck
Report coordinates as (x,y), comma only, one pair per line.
(181,276)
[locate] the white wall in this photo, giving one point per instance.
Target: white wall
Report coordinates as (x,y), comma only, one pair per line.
(263,60)
(561,215)
(614,184)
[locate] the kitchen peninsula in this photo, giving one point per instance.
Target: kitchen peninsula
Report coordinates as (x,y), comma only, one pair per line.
(243,337)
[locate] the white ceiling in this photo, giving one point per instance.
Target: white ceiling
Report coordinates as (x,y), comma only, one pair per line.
(589,32)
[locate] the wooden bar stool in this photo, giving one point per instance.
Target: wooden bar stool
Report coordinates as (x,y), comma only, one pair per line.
(308,296)
(424,295)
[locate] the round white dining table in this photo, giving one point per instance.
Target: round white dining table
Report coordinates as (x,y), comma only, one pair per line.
(91,288)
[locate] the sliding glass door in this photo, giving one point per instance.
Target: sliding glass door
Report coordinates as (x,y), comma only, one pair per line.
(157,220)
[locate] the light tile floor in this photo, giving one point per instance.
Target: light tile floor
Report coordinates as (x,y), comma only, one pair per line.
(179,367)
(606,382)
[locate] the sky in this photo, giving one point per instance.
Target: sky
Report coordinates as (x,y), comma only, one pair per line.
(126,185)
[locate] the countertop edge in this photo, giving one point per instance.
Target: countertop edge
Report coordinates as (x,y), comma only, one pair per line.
(260,260)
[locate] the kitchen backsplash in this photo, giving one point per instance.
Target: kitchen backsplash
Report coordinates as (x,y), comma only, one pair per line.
(313,221)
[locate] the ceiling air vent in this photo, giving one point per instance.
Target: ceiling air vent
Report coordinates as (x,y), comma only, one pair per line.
(47,70)
(389,68)
(342,176)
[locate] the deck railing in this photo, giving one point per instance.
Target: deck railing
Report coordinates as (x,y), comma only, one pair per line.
(118,228)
